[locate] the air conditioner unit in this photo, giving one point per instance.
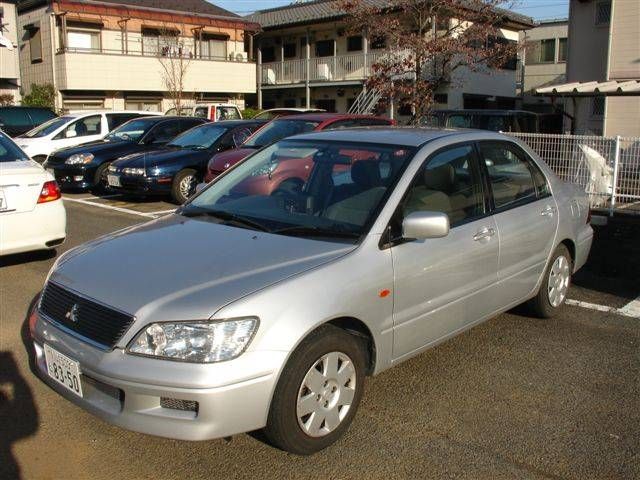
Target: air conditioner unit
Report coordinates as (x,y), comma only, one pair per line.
(241,56)
(324,72)
(270,77)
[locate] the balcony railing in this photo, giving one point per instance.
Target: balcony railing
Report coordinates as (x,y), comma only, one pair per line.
(164,52)
(321,69)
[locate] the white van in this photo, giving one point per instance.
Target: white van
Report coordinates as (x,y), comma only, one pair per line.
(73,129)
(215,112)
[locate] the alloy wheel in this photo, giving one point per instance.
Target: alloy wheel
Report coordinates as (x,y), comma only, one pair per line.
(558,284)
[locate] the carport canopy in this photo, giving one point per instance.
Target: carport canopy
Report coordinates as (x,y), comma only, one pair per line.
(612,88)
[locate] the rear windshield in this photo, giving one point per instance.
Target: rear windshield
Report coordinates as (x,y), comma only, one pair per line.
(277,130)
(9,151)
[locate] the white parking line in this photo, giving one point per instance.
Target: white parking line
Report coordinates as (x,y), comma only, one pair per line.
(163,212)
(110,207)
(632,309)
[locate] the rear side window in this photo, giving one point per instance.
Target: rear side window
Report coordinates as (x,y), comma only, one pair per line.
(41,115)
(15,116)
(511,174)
(114,120)
(200,112)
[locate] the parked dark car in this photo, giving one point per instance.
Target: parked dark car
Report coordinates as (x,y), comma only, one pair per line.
(288,126)
(179,166)
(494,120)
(85,166)
(15,121)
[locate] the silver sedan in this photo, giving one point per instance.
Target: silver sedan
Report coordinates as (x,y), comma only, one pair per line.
(265,300)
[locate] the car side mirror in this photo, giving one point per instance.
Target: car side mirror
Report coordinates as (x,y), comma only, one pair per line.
(423,225)
(70,134)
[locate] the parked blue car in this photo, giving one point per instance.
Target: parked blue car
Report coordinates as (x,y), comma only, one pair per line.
(176,168)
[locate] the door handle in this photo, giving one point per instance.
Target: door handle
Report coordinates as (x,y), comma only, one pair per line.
(484,233)
(548,211)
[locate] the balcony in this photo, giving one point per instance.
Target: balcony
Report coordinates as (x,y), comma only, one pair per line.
(340,68)
(87,69)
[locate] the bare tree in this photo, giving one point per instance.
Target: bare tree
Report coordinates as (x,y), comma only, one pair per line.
(175,57)
(428,42)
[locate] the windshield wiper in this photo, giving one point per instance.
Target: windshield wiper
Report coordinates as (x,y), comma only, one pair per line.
(228,218)
(303,231)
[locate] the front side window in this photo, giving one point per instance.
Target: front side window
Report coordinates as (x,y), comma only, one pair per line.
(163,133)
(510,174)
(132,131)
(277,130)
(450,183)
(82,128)
(201,112)
(306,188)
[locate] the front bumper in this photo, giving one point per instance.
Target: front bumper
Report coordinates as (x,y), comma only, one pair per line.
(130,391)
(73,177)
(157,185)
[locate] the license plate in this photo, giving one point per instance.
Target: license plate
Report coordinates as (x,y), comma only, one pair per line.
(63,370)
(3,201)
(113,180)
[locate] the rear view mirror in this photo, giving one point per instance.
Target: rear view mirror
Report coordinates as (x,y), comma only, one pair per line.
(70,134)
(422,225)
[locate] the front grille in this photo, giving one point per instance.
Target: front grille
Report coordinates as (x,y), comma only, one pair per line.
(177,404)
(99,324)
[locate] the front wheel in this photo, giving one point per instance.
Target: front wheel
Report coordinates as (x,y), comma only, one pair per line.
(555,284)
(184,185)
(318,393)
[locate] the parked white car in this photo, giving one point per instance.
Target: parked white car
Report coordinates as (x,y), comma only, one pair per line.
(73,129)
(216,112)
(32,216)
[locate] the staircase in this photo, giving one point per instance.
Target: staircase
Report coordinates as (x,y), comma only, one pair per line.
(365,102)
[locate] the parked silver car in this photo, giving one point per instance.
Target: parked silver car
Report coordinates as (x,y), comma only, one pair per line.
(246,310)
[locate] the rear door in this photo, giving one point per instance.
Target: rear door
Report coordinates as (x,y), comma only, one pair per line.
(525,213)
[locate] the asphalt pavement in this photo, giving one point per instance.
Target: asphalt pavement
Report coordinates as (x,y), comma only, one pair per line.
(515,397)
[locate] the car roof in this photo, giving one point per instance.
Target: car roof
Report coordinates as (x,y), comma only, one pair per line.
(404,136)
(325,117)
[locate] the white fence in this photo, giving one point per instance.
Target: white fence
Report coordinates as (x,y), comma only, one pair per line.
(608,168)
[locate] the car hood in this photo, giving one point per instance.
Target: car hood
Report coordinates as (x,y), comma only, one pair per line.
(223,161)
(100,148)
(178,268)
(158,157)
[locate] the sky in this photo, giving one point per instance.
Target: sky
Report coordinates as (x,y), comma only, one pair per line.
(538,9)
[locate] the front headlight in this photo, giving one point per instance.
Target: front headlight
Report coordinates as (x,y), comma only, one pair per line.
(197,342)
(79,158)
(133,171)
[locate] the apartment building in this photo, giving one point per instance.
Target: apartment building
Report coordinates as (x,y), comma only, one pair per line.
(9,66)
(123,54)
(602,87)
(544,62)
(307,59)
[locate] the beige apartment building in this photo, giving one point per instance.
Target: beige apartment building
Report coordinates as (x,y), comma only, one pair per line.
(115,54)
(9,64)
(602,87)
(307,59)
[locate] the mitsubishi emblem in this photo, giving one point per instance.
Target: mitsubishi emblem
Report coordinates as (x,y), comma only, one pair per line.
(72,314)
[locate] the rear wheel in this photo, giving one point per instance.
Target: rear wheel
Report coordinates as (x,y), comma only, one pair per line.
(555,285)
(184,185)
(318,393)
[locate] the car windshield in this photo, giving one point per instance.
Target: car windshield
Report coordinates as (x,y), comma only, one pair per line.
(47,128)
(199,138)
(316,189)
(277,130)
(132,131)
(9,151)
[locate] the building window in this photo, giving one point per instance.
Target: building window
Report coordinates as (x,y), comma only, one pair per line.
(354,44)
(603,12)
(326,104)
(83,39)
(324,48)
(213,47)
(289,50)
(149,105)
(562,50)
(150,42)
(35,44)
(543,51)
(441,98)
(597,106)
(268,54)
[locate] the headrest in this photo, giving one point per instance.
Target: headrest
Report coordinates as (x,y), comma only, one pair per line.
(366,173)
(440,178)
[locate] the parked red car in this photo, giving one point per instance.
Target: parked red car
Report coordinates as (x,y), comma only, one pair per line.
(286,127)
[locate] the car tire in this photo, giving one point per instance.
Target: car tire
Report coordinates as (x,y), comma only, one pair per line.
(180,193)
(555,284)
(100,178)
(333,393)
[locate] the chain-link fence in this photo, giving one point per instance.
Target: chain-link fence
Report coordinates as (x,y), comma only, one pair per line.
(608,168)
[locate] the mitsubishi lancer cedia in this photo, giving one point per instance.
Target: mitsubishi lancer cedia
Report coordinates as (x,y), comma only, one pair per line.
(248,310)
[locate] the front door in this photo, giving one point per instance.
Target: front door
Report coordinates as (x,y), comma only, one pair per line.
(526,215)
(445,284)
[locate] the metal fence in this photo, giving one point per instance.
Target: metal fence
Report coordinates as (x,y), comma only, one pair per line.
(608,168)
